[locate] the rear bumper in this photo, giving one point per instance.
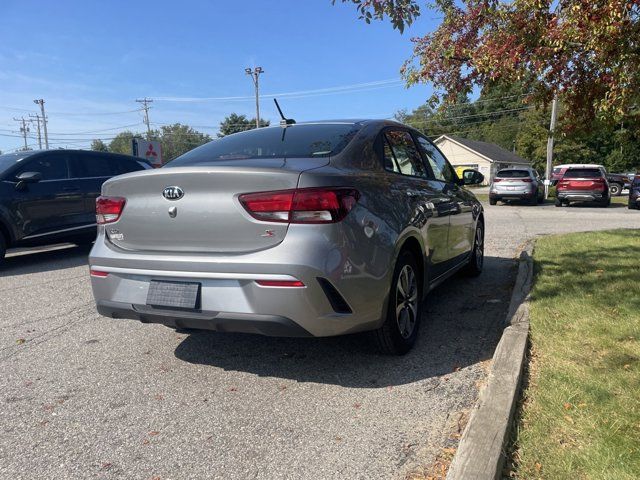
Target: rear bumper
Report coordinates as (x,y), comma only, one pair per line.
(510,195)
(343,292)
(582,196)
(270,325)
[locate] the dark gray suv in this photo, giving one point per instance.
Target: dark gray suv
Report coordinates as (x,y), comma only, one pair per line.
(49,196)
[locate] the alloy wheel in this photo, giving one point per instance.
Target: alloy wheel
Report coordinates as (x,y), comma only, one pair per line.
(479,247)
(406,301)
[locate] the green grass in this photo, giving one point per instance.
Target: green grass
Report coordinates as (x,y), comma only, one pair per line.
(580,410)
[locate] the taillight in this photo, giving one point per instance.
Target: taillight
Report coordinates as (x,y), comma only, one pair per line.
(98,273)
(526,180)
(303,205)
(496,180)
(109,209)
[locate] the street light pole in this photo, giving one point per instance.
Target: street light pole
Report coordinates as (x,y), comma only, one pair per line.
(255,75)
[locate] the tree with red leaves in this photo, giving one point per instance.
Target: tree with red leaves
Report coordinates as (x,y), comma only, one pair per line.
(585,51)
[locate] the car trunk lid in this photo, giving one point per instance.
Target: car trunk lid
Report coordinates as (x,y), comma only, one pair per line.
(208,216)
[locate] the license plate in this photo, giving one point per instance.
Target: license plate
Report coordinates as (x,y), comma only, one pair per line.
(511,188)
(173,294)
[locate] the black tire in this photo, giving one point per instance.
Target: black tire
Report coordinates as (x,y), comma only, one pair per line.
(391,338)
(558,202)
(615,189)
(533,200)
(605,203)
(476,261)
(632,205)
(492,201)
(3,247)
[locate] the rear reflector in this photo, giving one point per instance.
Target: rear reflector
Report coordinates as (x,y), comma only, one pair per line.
(109,209)
(303,205)
(98,273)
(280,283)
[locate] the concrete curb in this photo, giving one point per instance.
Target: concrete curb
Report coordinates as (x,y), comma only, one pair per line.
(480,454)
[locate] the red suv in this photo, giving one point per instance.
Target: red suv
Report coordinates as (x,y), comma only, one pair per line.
(584,184)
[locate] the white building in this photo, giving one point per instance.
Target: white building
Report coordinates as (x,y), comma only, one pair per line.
(485,157)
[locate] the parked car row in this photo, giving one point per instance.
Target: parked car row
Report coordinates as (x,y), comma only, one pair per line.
(574,183)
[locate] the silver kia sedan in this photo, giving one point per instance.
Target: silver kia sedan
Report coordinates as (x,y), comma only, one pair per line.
(308,229)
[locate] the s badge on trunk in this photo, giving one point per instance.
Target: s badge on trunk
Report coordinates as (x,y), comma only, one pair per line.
(173,193)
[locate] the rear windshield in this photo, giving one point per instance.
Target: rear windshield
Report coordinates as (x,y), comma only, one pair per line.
(297,141)
(583,173)
(513,173)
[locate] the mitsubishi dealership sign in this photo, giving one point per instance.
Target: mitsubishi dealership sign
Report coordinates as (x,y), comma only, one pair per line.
(149,150)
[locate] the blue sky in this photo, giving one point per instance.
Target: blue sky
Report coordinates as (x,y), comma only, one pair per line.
(90,60)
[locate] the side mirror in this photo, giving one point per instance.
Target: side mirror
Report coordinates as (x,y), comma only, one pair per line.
(27,177)
(472,177)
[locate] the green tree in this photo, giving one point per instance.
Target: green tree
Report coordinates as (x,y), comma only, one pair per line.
(122,142)
(99,146)
(235,123)
(177,139)
(587,51)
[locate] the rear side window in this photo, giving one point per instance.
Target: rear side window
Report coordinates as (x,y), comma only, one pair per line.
(124,165)
(406,158)
(583,173)
(87,166)
(296,141)
(51,167)
(513,174)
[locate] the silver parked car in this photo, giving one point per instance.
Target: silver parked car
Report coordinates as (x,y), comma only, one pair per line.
(310,229)
(518,183)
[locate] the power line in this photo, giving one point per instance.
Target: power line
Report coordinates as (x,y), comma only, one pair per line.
(298,94)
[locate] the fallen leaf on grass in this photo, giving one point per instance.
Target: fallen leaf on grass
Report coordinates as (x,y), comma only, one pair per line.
(538,467)
(567,406)
(626,366)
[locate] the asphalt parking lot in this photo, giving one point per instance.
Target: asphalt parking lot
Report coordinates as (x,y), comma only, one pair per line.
(85,396)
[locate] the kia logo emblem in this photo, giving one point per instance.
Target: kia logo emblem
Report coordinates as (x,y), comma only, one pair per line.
(173,193)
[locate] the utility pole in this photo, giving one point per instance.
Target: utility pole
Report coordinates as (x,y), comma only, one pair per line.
(145,106)
(552,128)
(24,130)
(36,118)
(40,102)
(255,75)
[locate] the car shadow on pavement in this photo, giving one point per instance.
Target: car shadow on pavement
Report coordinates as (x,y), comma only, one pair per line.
(25,261)
(463,320)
